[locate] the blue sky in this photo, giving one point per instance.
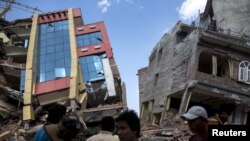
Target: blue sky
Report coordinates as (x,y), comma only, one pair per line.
(134,27)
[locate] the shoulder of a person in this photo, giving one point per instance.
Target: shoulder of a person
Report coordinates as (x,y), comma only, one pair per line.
(92,138)
(192,138)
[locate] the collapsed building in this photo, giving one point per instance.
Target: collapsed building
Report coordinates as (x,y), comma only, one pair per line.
(55,57)
(206,63)
(13,47)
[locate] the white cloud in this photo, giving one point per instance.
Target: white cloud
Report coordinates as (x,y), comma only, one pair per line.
(190,8)
(105,4)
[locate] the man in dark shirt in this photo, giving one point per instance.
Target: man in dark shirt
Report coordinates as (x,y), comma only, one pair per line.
(128,126)
(196,117)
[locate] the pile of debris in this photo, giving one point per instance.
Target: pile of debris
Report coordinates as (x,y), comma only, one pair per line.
(172,129)
(167,134)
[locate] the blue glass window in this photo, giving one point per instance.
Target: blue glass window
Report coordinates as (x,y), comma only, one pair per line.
(92,68)
(67,71)
(60,55)
(50,75)
(22,82)
(89,39)
(53,51)
(42,77)
(60,72)
(60,63)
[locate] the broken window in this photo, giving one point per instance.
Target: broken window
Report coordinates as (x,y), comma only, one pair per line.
(175,103)
(244,71)
(157,118)
(215,65)
(223,67)
(92,68)
(156,79)
(144,109)
(205,63)
(180,36)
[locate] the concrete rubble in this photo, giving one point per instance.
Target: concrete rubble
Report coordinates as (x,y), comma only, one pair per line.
(204,63)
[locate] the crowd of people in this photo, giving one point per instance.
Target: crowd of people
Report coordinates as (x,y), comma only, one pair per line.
(125,127)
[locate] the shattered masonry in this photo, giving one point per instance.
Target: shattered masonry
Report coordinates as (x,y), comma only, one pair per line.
(205,63)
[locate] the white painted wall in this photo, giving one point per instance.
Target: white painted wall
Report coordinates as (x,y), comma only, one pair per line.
(109,77)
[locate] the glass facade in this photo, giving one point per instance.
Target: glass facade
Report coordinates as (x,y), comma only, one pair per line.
(89,39)
(92,68)
(54,59)
(22,82)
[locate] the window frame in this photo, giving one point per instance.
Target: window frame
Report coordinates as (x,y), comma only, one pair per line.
(244,72)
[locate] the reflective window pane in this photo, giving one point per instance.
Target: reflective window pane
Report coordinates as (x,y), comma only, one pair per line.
(50,66)
(67,71)
(42,77)
(59,55)
(50,75)
(84,68)
(91,67)
(60,72)
(53,50)
(89,59)
(98,66)
(89,39)
(60,63)
(67,62)
(93,75)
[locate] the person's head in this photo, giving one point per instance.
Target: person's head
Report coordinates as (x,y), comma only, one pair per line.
(196,117)
(108,123)
(56,113)
(128,125)
(69,127)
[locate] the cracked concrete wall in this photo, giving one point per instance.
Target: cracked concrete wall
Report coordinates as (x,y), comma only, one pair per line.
(178,64)
(171,67)
(232,14)
(184,61)
(141,79)
(157,92)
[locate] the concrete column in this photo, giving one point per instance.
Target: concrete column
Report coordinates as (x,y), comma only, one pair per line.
(74,77)
(74,80)
(30,79)
(214,61)
(185,101)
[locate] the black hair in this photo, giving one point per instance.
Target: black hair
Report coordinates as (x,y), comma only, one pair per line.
(72,127)
(132,119)
(55,113)
(108,123)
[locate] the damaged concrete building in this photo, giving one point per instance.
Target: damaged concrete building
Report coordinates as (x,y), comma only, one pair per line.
(56,57)
(13,48)
(206,63)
